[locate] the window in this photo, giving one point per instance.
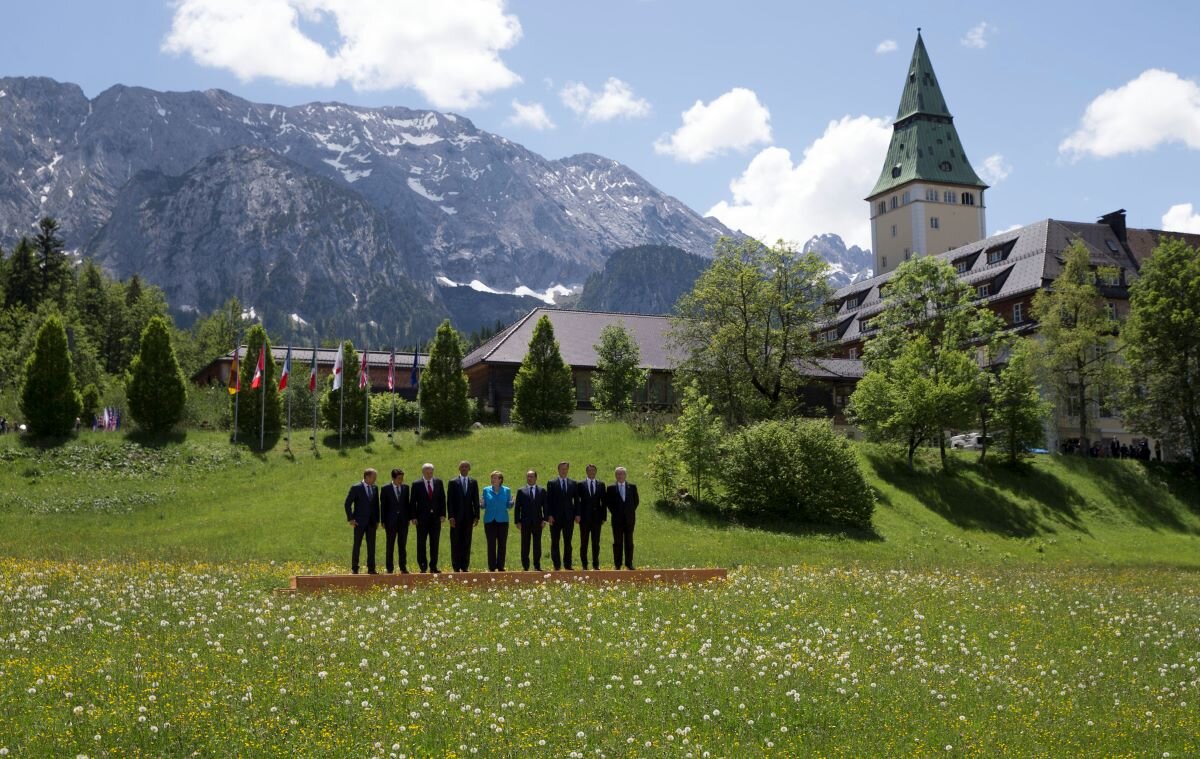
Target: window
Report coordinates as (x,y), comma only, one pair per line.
(1112,245)
(866,325)
(1073,400)
(882,208)
(907,255)
(931,195)
(968,198)
(1018,313)
(948,196)
(893,230)
(852,353)
(894,202)
(906,198)
(995,255)
(984,290)
(853,302)
(829,335)
(933,222)
(841,397)
(583,387)
(945,166)
(883,263)
(962,266)
(1111,308)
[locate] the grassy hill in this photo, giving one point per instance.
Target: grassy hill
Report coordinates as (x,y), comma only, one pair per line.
(103,497)
(1050,611)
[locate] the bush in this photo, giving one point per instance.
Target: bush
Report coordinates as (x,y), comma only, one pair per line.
(156,388)
(797,469)
(49,400)
(208,409)
(381,413)
(91,404)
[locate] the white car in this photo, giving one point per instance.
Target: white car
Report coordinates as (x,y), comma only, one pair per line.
(968,441)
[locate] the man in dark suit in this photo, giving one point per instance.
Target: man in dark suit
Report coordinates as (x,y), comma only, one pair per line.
(530,513)
(562,504)
(622,498)
(362,512)
(462,504)
(394,501)
(592,515)
(427,508)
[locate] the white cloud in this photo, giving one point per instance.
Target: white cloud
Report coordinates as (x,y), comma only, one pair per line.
(615,101)
(887,46)
(995,169)
(775,198)
(1156,107)
(733,121)
(977,36)
(531,115)
(449,52)
(1181,218)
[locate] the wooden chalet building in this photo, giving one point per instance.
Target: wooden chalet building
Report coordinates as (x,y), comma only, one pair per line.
(492,367)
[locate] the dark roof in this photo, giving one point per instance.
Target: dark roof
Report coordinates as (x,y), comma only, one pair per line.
(925,145)
(833,368)
(1028,258)
(302,357)
(577,333)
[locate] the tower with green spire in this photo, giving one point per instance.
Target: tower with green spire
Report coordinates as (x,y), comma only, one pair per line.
(928,198)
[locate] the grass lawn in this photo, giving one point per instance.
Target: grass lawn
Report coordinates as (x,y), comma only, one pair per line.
(1050,611)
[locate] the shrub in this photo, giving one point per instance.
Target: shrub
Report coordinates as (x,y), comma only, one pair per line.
(381,413)
(797,469)
(543,391)
(156,388)
(91,404)
(49,399)
(443,388)
(208,408)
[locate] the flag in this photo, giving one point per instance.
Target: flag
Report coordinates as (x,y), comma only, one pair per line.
(392,372)
(338,366)
(287,370)
(362,371)
(235,374)
(412,379)
(258,370)
(312,373)
(104,419)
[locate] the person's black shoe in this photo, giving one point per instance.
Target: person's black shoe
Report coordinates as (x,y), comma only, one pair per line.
(596,568)
(403,570)
(353,571)
(537,569)
(629,566)
(435,571)
(372,572)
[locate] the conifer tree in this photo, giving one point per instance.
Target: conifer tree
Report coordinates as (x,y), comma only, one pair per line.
(54,269)
(250,409)
(21,287)
(443,389)
(617,375)
(543,392)
(49,398)
(156,388)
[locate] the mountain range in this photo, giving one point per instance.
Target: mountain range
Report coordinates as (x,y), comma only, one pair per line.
(323,217)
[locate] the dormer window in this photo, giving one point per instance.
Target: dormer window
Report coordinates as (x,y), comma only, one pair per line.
(984,290)
(853,302)
(962,267)
(995,255)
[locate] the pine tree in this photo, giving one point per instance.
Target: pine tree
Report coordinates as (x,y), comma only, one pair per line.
(91,303)
(21,287)
(443,389)
(49,399)
(156,388)
(355,399)
(617,375)
(250,409)
(543,392)
(54,269)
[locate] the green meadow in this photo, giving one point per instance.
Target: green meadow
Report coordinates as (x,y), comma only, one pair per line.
(1052,610)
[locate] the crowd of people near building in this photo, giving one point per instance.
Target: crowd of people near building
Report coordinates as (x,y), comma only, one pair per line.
(1114,449)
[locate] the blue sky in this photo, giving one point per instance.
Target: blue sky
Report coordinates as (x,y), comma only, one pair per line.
(810,88)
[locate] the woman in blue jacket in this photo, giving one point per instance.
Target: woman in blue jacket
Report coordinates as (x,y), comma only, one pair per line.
(497,500)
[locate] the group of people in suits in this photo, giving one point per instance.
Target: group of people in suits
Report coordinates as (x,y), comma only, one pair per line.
(562,505)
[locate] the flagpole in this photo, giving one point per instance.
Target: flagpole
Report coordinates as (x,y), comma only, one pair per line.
(237,348)
(366,372)
(262,420)
(392,390)
(313,390)
(341,408)
(288,390)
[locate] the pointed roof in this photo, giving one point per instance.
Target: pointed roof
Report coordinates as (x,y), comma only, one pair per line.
(921,94)
(925,144)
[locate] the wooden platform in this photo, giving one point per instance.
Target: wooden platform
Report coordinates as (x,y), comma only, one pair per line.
(312,583)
